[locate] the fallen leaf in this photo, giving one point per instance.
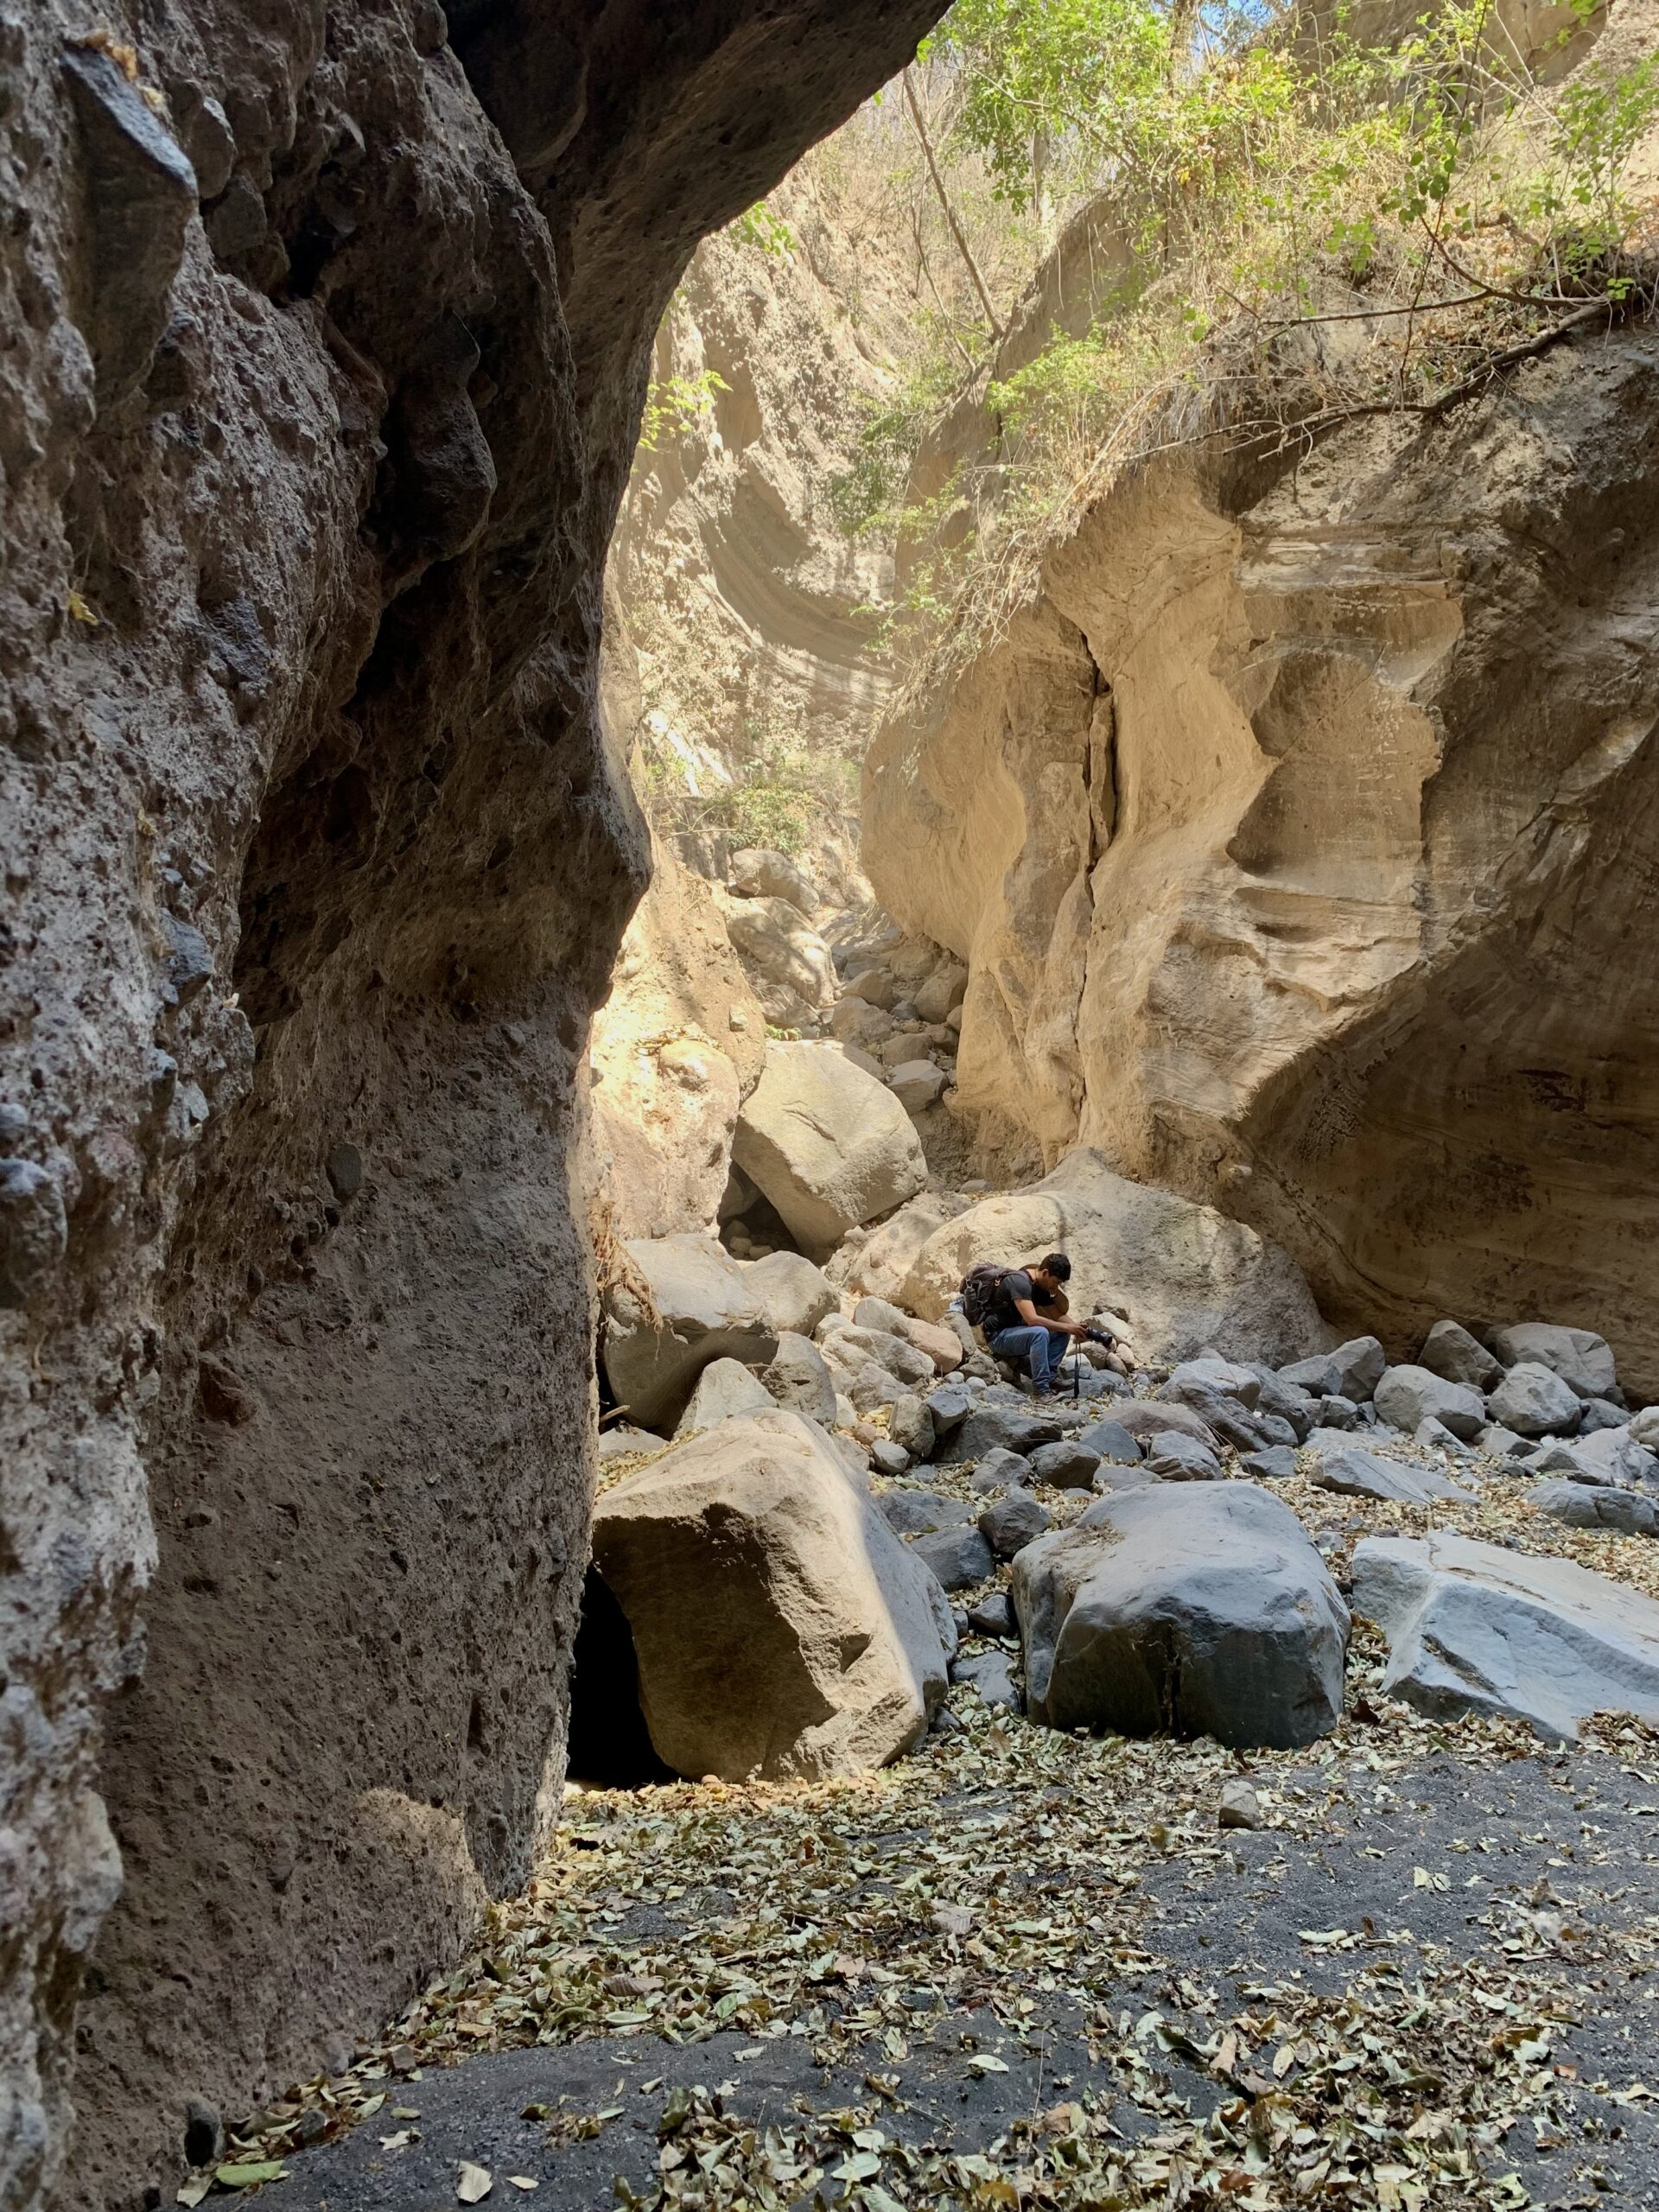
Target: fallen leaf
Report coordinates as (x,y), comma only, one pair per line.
(250,2175)
(195,2189)
(982,2063)
(522,2181)
(473,2183)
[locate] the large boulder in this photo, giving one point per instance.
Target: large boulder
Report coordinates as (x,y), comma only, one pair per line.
(1449,1351)
(1408,1397)
(1337,1462)
(990,1425)
(1473,1628)
(781,1628)
(827,1144)
(1534,1401)
(879,1265)
(784,957)
(683,1303)
(1199,1611)
(799,1379)
(758,872)
(1186,1277)
(1351,1371)
(793,1294)
(1584,1505)
(1582,1359)
(725,1391)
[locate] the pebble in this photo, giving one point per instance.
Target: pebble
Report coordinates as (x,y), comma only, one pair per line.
(1238,1806)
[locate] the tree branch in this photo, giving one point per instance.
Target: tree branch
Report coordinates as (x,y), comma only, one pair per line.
(956,232)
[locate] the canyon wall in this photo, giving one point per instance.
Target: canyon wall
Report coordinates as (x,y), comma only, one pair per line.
(1302,838)
(328,331)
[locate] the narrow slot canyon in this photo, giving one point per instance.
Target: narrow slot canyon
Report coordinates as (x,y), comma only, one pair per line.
(827,1030)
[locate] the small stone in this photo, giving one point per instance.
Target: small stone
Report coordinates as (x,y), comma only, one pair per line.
(917,1085)
(959,1557)
(344,1167)
(1238,1806)
(311,2125)
(993,1616)
(1534,1401)
(1112,1441)
(1013,1521)
(909,1425)
(1275,1465)
(990,1676)
(1174,1458)
(999,1470)
(204,2133)
(189,962)
(1069,1464)
(949,1406)
(1449,1351)
(953,1919)
(888,1459)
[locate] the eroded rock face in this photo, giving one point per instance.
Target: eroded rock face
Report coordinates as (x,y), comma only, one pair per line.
(1298,840)
(313,424)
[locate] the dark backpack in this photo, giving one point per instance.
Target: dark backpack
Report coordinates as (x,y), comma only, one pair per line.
(979,1289)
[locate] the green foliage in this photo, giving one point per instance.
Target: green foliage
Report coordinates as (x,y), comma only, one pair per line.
(759,226)
(781,798)
(1037,73)
(866,497)
(678,404)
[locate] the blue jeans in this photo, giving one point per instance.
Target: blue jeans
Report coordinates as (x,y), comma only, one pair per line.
(1039,1348)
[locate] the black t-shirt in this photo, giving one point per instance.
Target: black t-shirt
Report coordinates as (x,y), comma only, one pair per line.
(1004,1312)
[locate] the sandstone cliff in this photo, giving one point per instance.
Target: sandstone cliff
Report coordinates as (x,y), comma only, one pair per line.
(1300,839)
(329,330)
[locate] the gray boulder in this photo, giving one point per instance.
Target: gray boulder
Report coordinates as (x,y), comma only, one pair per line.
(724,1391)
(1145,1419)
(799,1379)
(688,1304)
(1274,1465)
(1534,1401)
(889,1458)
(1011,1523)
(781,1628)
(1473,1628)
(1600,1413)
(1069,1464)
(1112,1441)
(917,1085)
(949,1406)
(1337,1463)
(1202,1612)
(1221,1396)
(1583,1360)
(1202,1377)
(1110,1476)
(1584,1505)
(1612,1455)
(959,1557)
(920,1512)
(1353,1370)
(1502,1442)
(1408,1395)
(993,1616)
(1284,1401)
(1334,1412)
(1173,1458)
(1449,1351)
(1434,1436)
(848,1342)
(826,1143)
(911,1426)
(990,1426)
(1001,1471)
(989,1674)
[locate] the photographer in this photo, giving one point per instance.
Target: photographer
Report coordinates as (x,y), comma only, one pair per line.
(1022,1314)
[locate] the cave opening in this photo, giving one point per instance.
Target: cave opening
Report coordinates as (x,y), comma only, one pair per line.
(610,1746)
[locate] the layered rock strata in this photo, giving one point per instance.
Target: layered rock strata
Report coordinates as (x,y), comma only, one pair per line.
(1301,839)
(328,331)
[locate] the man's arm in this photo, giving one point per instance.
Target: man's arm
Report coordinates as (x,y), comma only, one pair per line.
(1028,1314)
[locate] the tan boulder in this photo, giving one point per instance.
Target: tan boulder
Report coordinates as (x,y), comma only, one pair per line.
(673,1049)
(1187,1278)
(784,957)
(877,1267)
(684,1303)
(782,1629)
(826,1143)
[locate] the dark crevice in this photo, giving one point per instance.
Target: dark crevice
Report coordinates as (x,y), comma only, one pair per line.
(610,1745)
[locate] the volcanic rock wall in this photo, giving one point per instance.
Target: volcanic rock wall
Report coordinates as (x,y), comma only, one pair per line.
(326,333)
(1303,840)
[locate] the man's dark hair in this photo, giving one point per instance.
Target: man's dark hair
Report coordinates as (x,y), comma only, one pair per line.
(1058,1266)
